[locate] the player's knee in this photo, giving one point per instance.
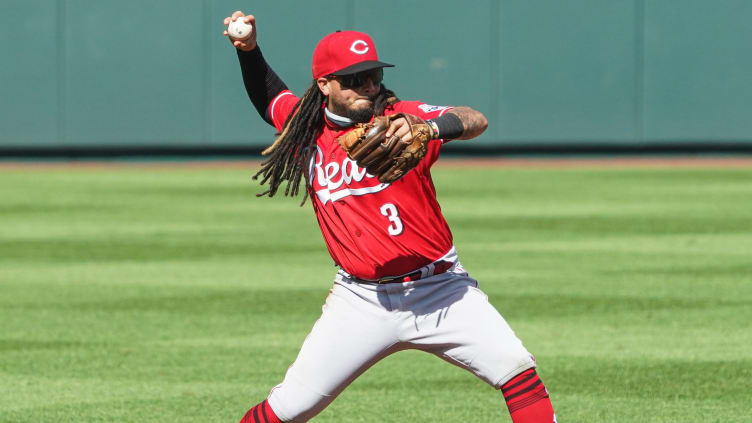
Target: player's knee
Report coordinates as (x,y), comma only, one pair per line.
(515,362)
(297,403)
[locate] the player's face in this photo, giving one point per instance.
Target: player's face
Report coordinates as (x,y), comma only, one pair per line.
(352,95)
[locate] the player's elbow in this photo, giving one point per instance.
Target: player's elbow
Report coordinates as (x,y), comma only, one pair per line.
(475,124)
(482,123)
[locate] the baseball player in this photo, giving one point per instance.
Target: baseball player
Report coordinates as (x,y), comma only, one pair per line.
(400,284)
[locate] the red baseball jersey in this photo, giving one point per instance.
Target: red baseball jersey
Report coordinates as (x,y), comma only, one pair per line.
(371,229)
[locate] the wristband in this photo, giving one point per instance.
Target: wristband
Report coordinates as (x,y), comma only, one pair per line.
(434,129)
(449,126)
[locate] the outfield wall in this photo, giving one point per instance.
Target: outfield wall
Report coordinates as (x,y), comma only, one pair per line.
(84,73)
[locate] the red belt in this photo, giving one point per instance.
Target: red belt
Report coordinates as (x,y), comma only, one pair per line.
(439,267)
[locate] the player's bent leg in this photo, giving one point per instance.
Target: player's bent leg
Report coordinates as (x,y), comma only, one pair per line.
(455,321)
(347,339)
(464,328)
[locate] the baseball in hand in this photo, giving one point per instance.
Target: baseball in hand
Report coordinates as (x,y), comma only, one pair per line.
(239,30)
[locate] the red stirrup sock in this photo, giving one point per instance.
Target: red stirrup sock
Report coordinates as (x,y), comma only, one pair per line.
(527,399)
(261,413)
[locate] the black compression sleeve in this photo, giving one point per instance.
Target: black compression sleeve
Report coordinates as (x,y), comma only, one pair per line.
(260,81)
(450,126)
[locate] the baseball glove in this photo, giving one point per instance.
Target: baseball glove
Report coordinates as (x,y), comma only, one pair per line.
(387,159)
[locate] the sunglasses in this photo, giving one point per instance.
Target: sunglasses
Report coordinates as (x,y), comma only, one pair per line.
(357,80)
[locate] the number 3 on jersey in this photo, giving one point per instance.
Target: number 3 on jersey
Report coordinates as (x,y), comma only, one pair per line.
(390,211)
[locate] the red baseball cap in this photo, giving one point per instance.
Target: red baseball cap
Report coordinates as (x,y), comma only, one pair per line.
(345,52)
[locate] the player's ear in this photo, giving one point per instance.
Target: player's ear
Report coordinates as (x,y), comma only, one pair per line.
(323,84)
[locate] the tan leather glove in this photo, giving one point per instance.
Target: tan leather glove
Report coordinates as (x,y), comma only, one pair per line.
(387,159)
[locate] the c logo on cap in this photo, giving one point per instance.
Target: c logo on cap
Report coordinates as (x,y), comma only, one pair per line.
(362,50)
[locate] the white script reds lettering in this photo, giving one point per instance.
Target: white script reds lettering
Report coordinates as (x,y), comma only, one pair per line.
(331,176)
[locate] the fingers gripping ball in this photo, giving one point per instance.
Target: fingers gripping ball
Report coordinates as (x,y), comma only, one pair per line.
(239,30)
(387,159)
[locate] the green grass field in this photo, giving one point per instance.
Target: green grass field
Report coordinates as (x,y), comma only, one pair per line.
(147,294)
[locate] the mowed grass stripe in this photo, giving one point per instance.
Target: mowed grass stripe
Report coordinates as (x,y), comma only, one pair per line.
(143,295)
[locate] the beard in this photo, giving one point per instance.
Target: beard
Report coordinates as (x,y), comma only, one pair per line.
(361,114)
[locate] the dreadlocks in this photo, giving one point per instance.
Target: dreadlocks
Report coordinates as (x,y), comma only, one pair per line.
(295,145)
